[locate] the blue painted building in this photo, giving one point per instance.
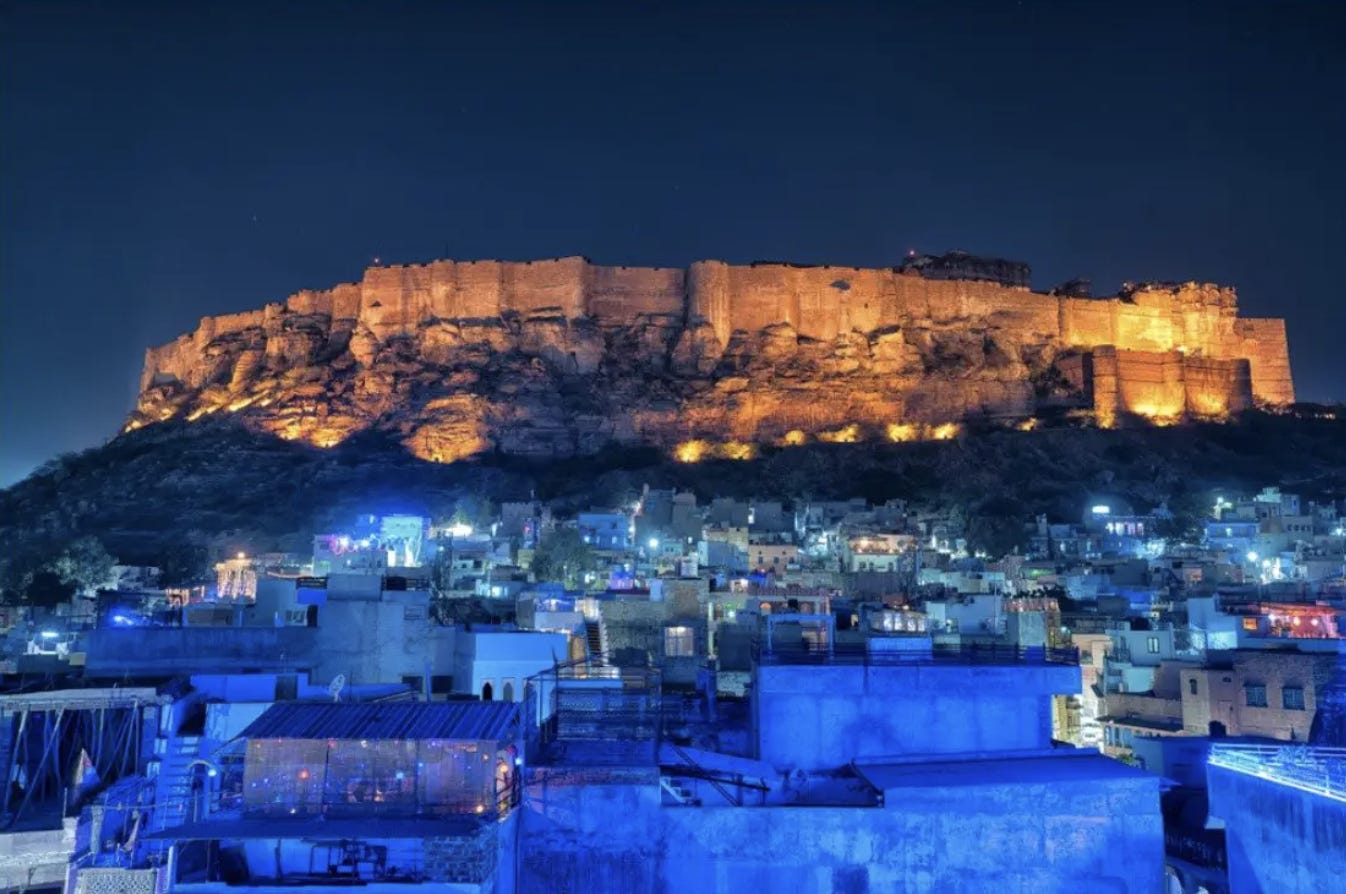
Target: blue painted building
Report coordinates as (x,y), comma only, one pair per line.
(605,530)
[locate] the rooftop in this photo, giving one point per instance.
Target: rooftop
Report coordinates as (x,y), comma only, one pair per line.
(385,720)
(1064,766)
(851,652)
(322,828)
(1321,771)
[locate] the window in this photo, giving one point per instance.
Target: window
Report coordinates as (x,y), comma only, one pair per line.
(1255,694)
(678,642)
(1292,698)
(1152,645)
(1191,685)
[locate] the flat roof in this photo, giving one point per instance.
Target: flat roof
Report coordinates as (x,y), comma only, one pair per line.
(320,828)
(80,699)
(1065,767)
(385,720)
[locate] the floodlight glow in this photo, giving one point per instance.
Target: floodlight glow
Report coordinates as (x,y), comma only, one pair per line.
(654,543)
(1101,510)
(460,530)
(50,634)
(1252,556)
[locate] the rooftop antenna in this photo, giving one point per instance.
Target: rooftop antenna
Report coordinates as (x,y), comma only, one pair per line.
(338,683)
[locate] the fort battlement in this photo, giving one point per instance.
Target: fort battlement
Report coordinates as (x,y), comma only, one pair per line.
(1159,349)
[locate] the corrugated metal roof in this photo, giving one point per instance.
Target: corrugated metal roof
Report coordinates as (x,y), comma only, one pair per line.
(385,720)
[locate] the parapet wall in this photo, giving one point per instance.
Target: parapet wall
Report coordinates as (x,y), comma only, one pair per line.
(593,830)
(1279,837)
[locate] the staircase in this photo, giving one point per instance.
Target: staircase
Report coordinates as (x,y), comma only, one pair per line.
(596,635)
(173,789)
(679,790)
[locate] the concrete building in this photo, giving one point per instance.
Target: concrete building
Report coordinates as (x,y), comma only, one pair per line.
(493,665)
(1254,692)
(605,530)
(1284,814)
(840,790)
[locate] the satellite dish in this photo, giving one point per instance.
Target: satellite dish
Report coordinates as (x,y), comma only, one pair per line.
(338,683)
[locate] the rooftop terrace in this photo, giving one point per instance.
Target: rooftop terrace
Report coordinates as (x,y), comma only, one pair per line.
(870,652)
(1320,771)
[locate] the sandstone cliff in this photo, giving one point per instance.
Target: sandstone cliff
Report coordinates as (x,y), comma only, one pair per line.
(562,357)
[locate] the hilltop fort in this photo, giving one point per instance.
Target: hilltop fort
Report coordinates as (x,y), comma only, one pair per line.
(563,356)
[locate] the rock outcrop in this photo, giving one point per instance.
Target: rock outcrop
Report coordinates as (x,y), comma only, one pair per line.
(562,357)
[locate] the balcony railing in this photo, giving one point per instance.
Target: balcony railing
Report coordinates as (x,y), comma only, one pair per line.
(1321,771)
(938,653)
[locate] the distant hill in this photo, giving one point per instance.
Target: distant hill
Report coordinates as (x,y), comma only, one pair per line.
(169,492)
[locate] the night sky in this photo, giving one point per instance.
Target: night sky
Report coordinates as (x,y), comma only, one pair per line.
(163,162)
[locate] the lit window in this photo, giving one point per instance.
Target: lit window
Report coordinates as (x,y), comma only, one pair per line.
(678,642)
(1152,645)
(1255,694)
(1292,698)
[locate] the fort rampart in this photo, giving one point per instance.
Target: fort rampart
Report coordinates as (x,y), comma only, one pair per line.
(1158,350)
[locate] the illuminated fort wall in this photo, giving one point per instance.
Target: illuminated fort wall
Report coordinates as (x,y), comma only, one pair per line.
(1158,351)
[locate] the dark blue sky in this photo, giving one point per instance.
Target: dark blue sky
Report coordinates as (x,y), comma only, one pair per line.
(165,161)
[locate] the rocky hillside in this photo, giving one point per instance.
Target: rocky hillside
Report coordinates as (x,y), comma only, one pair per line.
(180,489)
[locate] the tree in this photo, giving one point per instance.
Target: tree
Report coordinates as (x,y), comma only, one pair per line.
(84,565)
(563,556)
(996,527)
(48,590)
(183,563)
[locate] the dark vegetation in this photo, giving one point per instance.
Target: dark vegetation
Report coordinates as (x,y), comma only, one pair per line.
(179,495)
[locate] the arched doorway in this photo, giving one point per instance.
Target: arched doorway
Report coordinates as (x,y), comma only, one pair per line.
(486,691)
(507,694)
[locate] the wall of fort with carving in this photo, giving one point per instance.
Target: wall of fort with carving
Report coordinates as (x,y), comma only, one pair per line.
(563,356)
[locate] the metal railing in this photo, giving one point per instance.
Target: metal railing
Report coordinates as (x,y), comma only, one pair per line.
(938,653)
(1321,771)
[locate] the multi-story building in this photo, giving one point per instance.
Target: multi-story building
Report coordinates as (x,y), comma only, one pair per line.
(1255,692)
